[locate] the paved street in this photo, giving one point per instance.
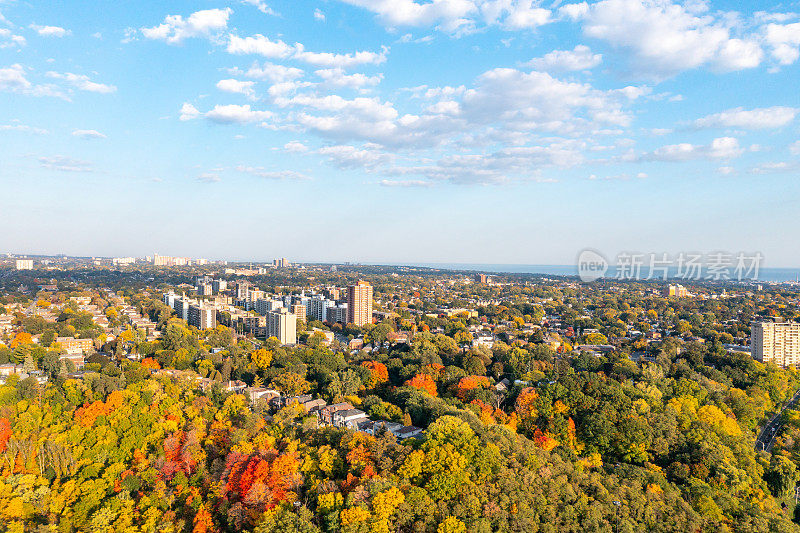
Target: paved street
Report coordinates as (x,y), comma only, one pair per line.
(767,436)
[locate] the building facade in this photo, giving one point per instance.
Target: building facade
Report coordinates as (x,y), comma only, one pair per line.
(359,303)
(282,325)
(776,342)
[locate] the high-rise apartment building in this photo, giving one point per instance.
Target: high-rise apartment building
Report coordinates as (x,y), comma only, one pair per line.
(337,313)
(318,308)
(24,264)
(299,310)
(359,303)
(777,342)
(202,317)
(282,325)
(678,291)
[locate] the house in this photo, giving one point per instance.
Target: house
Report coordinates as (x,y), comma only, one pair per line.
(261,393)
(326,414)
(235,386)
(315,406)
(288,400)
(407,432)
(502,385)
(348,418)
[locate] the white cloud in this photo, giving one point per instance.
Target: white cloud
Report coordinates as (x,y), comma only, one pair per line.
(65,164)
(188,112)
(88,134)
(579,58)
(50,31)
(83,83)
(13,79)
(720,148)
(794,148)
(16,126)
(458,16)
(346,156)
(260,45)
(331,60)
(754,119)
(450,15)
(726,171)
(8,39)
(775,167)
(270,72)
(664,38)
(261,6)
(405,183)
(295,147)
(175,29)
(236,114)
(246,88)
(261,172)
(209,177)
(784,41)
(336,77)
(319,15)
(539,101)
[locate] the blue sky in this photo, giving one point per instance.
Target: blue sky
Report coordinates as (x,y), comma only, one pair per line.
(494,131)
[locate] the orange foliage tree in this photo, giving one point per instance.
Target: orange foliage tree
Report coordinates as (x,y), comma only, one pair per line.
(378,373)
(423,382)
(469,383)
(150,363)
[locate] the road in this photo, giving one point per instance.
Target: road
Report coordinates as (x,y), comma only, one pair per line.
(767,436)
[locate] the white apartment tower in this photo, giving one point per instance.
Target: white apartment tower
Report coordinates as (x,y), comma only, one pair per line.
(283,325)
(777,342)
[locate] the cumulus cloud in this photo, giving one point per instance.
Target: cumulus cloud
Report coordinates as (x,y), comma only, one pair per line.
(664,38)
(188,112)
(261,6)
(260,45)
(175,29)
(331,60)
(50,31)
(225,114)
(405,183)
(720,148)
(261,172)
(83,83)
(270,72)
(236,114)
(208,177)
(295,147)
(13,79)
(65,164)
(784,42)
(16,126)
(458,16)
(336,77)
(346,156)
(752,119)
(246,88)
(775,167)
(8,39)
(579,58)
(319,15)
(88,134)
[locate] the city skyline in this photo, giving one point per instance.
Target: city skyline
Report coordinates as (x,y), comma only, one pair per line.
(459,131)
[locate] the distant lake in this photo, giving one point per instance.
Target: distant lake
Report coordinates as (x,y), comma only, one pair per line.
(764,274)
